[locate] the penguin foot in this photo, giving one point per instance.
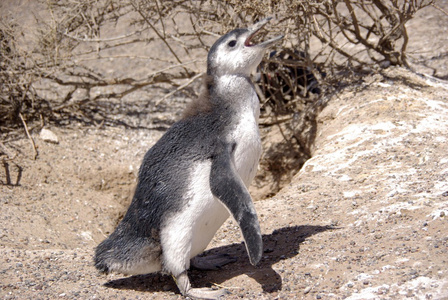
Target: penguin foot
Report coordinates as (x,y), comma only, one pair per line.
(206,293)
(183,283)
(212,262)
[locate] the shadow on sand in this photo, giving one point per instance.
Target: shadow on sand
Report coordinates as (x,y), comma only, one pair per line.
(281,244)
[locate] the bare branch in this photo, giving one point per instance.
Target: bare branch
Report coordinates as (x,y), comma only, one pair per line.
(181,87)
(29,137)
(103,40)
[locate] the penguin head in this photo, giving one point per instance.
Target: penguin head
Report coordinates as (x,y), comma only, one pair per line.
(234,53)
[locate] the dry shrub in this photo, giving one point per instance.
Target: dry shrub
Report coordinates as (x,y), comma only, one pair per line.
(66,73)
(322,37)
(16,78)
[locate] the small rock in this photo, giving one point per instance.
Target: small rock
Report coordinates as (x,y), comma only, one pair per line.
(48,136)
(307,290)
(378,236)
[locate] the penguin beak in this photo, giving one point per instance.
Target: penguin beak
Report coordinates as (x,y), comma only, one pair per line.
(254,29)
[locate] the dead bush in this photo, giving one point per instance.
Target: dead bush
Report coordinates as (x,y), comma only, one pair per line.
(95,60)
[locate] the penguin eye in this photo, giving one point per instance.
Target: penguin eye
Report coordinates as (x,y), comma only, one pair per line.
(232,43)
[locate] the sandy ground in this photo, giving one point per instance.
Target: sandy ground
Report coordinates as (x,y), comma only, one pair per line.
(365,218)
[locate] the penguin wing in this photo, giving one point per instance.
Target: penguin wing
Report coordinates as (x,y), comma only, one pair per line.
(227,186)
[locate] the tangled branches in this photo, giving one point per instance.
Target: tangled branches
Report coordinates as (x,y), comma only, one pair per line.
(77,43)
(98,61)
(377,26)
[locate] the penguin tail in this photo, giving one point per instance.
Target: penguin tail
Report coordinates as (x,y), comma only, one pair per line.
(128,256)
(102,267)
(103,256)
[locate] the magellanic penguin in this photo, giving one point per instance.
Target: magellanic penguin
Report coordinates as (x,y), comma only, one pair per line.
(197,174)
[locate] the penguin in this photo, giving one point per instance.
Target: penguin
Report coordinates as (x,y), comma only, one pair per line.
(197,174)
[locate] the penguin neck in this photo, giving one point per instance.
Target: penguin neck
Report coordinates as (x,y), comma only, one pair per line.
(235,91)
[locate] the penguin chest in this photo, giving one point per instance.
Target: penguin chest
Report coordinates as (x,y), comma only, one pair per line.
(204,213)
(210,213)
(248,145)
(190,230)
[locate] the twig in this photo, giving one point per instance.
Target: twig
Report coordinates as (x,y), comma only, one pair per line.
(275,122)
(157,78)
(210,33)
(173,67)
(226,287)
(7,173)
(7,152)
(123,56)
(181,87)
(145,18)
(29,136)
(439,8)
(103,40)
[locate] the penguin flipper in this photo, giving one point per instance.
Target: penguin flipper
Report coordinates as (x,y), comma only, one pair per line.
(227,186)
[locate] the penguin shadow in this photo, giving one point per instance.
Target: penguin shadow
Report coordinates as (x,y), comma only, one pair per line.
(281,244)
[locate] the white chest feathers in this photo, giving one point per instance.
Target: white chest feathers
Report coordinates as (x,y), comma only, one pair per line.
(245,134)
(247,138)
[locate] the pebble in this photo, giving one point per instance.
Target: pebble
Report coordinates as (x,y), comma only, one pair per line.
(48,136)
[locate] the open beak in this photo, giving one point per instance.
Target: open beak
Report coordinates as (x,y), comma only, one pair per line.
(254,29)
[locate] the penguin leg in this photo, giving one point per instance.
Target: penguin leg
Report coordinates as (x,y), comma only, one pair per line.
(183,283)
(212,262)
